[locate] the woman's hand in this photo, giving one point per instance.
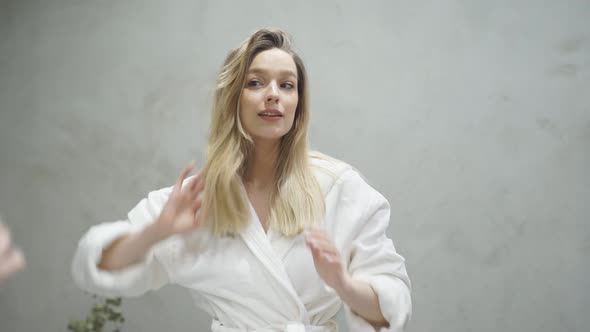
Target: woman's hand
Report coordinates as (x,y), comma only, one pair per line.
(326,259)
(181,214)
(11,258)
(358,295)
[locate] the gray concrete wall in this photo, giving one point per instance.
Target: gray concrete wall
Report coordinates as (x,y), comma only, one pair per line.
(472,117)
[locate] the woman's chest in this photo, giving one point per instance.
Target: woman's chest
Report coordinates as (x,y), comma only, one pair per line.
(260,201)
(270,262)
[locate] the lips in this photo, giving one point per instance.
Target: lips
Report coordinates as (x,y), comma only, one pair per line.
(272,113)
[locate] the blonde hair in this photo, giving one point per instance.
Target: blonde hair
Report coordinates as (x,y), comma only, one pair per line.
(296,198)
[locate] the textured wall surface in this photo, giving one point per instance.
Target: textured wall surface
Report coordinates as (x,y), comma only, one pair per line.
(471,117)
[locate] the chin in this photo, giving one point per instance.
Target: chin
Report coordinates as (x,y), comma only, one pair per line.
(269,136)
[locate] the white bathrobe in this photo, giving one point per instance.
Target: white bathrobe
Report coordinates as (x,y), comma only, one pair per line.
(261,281)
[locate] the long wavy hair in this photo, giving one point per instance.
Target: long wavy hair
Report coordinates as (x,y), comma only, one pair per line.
(296,197)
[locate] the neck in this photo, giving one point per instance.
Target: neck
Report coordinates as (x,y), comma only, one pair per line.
(260,172)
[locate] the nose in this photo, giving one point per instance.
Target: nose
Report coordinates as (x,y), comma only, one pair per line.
(272,94)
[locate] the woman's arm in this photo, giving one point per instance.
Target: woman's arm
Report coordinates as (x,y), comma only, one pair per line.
(121,259)
(362,299)
(179,215)
(370,276)
(128,249)
(358,295)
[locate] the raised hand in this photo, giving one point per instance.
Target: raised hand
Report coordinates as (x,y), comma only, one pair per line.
(181,214)
(11,258)
(326,258)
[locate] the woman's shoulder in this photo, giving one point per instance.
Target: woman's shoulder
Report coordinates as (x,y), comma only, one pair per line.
(330,165)
(330,171)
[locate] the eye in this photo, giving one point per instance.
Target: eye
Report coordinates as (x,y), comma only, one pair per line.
(287,85)
(254,83)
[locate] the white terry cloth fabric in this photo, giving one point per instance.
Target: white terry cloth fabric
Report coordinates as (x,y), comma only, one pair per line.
(264,281)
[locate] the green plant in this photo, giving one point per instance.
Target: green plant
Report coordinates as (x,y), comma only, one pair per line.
(99,317)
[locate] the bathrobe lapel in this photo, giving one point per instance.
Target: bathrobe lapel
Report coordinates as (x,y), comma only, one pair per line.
(260,246)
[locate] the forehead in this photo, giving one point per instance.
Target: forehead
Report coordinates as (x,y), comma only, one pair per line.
(274,60)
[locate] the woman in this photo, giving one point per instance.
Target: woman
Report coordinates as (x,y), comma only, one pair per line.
(268,236)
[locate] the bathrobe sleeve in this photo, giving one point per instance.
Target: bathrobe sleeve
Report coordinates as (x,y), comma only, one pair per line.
(372,256)
(149,274)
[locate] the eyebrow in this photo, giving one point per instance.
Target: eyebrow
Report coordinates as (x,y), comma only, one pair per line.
(263,71)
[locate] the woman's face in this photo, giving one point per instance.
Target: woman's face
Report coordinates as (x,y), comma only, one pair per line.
(269,98)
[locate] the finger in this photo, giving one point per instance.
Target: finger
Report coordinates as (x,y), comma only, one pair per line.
(195,180)
(319,248)
(185,172)
(328,258)
(189,188)
(324,246)
(198,186)
(322,256)
(327,247)
(315,232)
(319,233)
(321,239)
(5,241)
(315,252)
(190,185)
(196,205)
(11,264)
(315,237)
(200,175)
(322,252)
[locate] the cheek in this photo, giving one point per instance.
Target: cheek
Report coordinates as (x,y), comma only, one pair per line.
(246,102)
(291,104)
